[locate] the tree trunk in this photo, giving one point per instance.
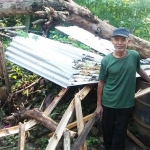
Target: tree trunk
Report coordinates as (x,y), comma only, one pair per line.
(69,11)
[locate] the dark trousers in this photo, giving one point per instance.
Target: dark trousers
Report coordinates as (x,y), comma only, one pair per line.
(114,125)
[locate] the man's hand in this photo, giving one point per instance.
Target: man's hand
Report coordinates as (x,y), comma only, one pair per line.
(99,111)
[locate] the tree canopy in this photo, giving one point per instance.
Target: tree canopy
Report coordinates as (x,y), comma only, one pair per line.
(123,13)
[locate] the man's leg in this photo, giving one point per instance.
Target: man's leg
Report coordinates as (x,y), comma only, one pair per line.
(108,122)
(120,131)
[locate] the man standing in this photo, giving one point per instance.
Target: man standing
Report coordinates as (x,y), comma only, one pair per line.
(116,89)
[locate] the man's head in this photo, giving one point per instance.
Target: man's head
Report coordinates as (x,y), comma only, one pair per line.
(120,39)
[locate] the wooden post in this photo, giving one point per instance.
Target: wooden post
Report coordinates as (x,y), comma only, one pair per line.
(4,69)
(80,122)
(67,140)
(21,141)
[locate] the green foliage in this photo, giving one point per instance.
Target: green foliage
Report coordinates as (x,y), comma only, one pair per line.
(58,36)
(19,76)
(22,33)
(59,111)
(13,21)
(7,141)
(6,43)
(92,141)
(41,142)
(123,13)
(38,139)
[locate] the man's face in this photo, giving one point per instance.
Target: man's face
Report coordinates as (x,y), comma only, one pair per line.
(120,43)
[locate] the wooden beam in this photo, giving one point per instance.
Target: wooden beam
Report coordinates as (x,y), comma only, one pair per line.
(15,129)
(67,140)
(80,122)
(137,141)
(81,138)
(142,92)
(74,124)
(21,141)
(62,124)
(3,66)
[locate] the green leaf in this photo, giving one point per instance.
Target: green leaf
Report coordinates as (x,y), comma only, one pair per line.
(22,33)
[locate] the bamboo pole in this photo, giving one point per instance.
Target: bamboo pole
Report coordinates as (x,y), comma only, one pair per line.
(15,27)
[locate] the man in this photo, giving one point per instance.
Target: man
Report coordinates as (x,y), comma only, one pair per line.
(116,89)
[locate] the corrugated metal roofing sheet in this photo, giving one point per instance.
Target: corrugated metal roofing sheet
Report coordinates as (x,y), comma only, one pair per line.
(60,63)
(101,45)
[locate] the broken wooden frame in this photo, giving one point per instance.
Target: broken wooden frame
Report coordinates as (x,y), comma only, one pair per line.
(62,126)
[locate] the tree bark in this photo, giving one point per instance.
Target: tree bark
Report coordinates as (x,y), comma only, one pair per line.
(32,114)
(69,11)
(40,117)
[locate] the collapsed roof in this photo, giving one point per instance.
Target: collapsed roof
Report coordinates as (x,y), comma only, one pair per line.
(61,63)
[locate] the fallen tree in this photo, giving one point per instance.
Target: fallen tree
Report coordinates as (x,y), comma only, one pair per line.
(58,11)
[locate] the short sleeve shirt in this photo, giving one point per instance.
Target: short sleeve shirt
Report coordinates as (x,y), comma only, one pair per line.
(119,76)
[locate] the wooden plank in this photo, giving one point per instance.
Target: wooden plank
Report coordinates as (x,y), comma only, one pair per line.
(62,124)
(74,124)
(21,141)
(67,140)
(80,122)
(81,138)
(15,129)
(60,128)
(142,92)
(137,141)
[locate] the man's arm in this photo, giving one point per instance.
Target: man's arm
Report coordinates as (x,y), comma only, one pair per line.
(99,109)
(144,75)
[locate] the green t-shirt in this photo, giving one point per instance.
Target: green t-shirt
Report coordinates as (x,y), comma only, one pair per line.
(119,76)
